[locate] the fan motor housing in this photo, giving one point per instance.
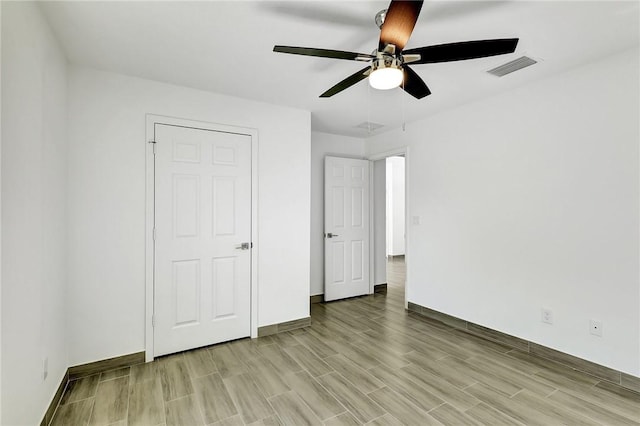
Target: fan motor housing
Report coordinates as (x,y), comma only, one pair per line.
(386,61)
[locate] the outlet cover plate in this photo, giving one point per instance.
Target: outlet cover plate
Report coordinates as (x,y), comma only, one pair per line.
(595,327)
(547,316)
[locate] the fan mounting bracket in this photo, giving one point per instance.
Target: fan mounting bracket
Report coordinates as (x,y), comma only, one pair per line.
(407,59)
(389,49)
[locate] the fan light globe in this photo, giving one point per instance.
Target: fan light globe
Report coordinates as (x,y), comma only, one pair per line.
(386,78)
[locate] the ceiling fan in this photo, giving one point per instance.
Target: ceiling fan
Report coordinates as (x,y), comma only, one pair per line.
(389,62)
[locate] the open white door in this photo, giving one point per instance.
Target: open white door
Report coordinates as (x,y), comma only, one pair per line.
(202,289)
(346,227)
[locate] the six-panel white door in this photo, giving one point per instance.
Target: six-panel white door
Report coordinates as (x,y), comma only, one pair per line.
(346,225)
(202,288)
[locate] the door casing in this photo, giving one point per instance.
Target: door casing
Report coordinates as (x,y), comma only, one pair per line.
(151,121)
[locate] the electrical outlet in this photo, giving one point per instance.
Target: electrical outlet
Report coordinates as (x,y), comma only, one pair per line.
(45,368)
(547,316)
(595,327)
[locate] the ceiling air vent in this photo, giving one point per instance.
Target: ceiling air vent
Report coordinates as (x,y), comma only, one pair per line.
(515,65)
(367,125)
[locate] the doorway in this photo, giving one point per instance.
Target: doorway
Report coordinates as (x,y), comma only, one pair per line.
(390,232)
(395,223)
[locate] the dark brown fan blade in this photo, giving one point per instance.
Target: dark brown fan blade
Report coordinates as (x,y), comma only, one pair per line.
(347,82)
(399,22)
(414,85)
(463,50)
(323,53)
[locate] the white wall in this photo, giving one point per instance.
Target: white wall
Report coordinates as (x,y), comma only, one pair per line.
(530,199)
(395,206)
(322,145)
(34,225)
(380,221)
(107,204)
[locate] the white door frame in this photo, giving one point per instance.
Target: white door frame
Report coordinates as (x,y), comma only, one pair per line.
(152,120)
(403,151)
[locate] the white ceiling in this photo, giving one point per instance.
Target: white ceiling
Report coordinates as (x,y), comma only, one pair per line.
(226,47)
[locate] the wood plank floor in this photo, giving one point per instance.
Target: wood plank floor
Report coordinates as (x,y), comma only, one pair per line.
(363,361)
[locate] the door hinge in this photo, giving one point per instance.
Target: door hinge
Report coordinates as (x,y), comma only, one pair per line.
(154,234)
(153,320)
(154,146)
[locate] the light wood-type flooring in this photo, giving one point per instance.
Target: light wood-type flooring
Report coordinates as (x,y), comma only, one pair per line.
(363,361)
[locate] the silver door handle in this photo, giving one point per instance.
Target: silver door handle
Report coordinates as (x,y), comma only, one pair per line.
(244,246)
(330,235)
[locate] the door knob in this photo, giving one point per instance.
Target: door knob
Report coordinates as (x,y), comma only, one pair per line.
(244,246)
(330,235)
